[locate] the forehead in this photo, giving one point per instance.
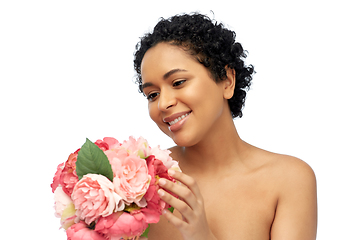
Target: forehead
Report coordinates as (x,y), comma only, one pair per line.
(164,57)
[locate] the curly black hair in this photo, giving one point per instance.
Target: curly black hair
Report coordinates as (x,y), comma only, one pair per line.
(210,43)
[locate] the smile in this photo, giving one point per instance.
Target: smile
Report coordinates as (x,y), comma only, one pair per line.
(178,119)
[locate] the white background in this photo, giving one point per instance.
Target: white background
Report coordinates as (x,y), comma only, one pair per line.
(66,74)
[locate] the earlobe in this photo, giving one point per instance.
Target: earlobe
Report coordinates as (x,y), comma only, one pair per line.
(229,82)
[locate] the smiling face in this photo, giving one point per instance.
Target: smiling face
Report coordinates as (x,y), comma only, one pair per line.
(183,100)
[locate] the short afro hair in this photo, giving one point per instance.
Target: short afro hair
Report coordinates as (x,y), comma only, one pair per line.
(210,43)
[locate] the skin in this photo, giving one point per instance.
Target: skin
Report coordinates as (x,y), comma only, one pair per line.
(230,189)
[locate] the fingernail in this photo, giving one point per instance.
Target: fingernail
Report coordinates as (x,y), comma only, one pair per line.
(161,192)
(162,182)
(171,172)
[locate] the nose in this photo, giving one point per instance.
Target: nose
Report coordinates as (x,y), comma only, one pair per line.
(167,100)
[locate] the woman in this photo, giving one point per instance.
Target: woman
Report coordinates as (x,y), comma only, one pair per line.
(192,72)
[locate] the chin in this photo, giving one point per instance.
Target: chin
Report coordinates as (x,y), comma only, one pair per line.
(185,141)
(180,138)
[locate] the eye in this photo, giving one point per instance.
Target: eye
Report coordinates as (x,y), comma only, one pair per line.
(151,97)
(178,83)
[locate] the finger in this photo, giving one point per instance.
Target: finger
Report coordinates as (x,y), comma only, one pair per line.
(188,181)
(177,204)
(178,223)
(182,191)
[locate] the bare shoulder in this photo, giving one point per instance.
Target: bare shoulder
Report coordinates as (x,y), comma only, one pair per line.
(291,175)
(296,210)
(292,171)
(285,167)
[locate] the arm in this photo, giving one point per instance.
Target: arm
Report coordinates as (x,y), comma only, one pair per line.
(296,212)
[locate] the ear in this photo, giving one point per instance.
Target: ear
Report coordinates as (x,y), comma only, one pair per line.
(229,82)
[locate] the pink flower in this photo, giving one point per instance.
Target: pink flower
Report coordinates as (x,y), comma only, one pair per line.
(138,147)
(80,231)
(94,196)
(121,224)
(64,208)
(56,180)
(131,178)
(155,205)
(157,169)
(164,156)
(68,176)
(102,145)
(95,201)
(107,143)
(115,156)
(149,215)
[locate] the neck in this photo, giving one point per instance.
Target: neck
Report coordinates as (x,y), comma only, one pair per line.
(216,152)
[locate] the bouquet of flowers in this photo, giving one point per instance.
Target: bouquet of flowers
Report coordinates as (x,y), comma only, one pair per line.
(108,190)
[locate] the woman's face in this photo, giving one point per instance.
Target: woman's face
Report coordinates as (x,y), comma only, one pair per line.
(183,100)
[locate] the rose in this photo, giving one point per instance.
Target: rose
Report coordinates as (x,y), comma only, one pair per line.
(102,145)
(121,224)
(107,143)
(64,208)
(80,231)
(130,175)
(68,176)
(164,156)
(155,204)
(56,179)
(131,178)
(115,156)
(138,147)
(94,196)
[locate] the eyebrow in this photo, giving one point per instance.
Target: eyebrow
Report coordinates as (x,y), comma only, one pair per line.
(171,72)
(166,76)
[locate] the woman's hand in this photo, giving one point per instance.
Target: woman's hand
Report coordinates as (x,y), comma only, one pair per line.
(193,225)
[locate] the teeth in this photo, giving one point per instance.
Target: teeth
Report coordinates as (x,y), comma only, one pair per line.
(178,119)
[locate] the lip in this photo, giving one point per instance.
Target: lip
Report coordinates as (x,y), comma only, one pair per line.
(174,116)
(178,125)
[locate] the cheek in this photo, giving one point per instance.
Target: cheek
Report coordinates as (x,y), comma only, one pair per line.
(210,100)
(153,112)
(194,95)
(158,121)
(201,95)
(155,115)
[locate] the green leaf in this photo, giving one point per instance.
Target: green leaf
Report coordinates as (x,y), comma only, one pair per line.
(91,159)
(146,232)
